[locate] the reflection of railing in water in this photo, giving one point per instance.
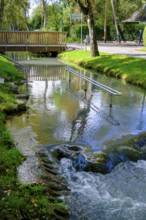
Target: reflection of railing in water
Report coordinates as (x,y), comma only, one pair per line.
(42,73)
(83,116)
(140,125)
(100,85)
(44,78)
(109,117)
(88,102)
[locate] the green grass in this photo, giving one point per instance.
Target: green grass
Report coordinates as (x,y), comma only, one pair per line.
(142,49)
(129,69)
(7,99)
(8,71)
(18,201)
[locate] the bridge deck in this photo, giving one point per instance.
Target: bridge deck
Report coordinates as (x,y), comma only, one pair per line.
(32,41)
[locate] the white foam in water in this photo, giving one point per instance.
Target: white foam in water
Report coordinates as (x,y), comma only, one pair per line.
(120,195)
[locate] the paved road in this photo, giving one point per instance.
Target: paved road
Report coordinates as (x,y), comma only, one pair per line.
(125,49)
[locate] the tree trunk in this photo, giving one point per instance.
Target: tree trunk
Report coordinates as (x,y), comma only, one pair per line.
(93,37)
(1,10)
(25,19)
(44,13)
(115,20)
(87,9)
(105,21)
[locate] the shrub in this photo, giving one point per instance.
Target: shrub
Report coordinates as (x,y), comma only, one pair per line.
(66,28)
(128,32)
(74,32)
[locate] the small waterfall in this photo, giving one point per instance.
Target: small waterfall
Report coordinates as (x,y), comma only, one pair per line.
(119,195)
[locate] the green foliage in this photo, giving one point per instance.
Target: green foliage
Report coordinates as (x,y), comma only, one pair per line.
(125,8)
(10,159)
(10,74)
(7,100)
(130,32)
(35,22)
(55,19)
(74,32)
(66,28)
(77,30)
(144,36)
(129,69)
(5,138)
(8,71)
(14,19)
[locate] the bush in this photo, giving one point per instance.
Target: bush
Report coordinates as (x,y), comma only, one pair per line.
(74,32)
(66,28)
(128,32)
(144,36)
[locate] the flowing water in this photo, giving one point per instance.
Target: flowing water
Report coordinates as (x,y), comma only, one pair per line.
(119,195)
(65,109)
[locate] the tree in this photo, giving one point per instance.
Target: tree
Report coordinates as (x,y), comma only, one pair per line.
(105,20)
(125,8)
(55,16)
(115,20)
(1,10)
(44,14)
(36,18)
(87,8)
(15,19)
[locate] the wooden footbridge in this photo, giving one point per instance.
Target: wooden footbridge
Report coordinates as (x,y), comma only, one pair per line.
(43,42)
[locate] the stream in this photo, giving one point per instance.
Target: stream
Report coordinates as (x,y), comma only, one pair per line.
(63,108)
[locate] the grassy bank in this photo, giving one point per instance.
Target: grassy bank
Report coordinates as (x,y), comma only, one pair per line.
(8,71)
(142,49)
(129,69)
(18,201)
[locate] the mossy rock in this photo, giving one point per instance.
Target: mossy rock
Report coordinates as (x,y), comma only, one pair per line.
(144,36)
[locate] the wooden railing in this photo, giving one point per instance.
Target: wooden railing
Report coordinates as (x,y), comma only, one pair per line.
(45,42)
(32,38)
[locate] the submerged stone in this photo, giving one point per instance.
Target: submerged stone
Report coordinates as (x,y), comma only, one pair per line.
(103,161)
(80,163)
(63,151)
(113,159)
(61,214)
(75,148)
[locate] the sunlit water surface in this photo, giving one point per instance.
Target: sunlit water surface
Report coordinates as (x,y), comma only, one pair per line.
(61,111)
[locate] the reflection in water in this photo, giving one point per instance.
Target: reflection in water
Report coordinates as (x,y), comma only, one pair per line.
(45,73)
(65,108)
(140,125)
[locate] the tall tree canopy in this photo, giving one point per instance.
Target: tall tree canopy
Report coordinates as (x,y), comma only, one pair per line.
(13,14)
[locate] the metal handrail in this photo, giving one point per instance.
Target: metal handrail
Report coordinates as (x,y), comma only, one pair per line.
(100,85)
